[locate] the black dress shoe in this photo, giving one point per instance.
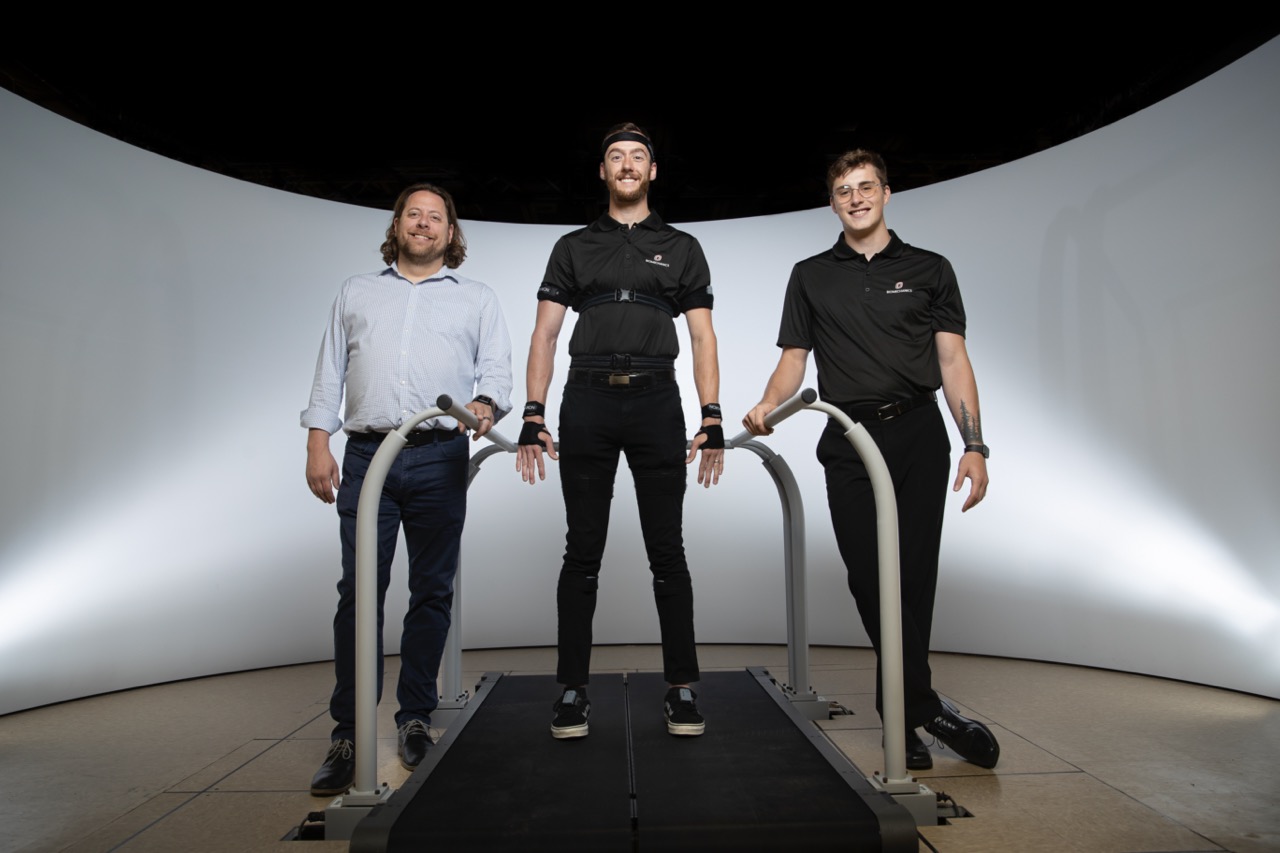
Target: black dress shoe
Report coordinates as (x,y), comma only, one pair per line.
(338,771)
(414,743)
(968,738)
(918,757)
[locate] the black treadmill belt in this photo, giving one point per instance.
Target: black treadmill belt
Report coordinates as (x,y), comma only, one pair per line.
(504,783)
(754,781)
(751,782)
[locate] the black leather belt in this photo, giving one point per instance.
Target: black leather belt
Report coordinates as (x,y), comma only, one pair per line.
(611,379)
(621,362)
(416,438)
(888,411)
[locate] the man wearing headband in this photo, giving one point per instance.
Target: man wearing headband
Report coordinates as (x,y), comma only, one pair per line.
(629,275)
(397,339)
(886,326)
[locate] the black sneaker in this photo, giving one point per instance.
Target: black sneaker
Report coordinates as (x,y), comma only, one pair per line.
(572,710)
(682,712)
(969,739)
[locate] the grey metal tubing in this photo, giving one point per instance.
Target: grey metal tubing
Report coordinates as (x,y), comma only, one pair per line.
(793,555)
(367,663)
(453,696)
(469,420)
(800,401)
(895,762)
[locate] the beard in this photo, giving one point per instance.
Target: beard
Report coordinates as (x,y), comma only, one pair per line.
(632,193)
(422,254)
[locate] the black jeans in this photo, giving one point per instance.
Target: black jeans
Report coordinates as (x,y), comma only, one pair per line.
(648,425)
(426,491)
(918,452)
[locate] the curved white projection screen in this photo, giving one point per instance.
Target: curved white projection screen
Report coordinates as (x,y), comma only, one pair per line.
(159,327)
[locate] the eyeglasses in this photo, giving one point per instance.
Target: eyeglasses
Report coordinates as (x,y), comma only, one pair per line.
(866,189)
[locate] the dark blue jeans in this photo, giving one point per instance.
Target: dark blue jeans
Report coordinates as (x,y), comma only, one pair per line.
(426,491)
(596,424)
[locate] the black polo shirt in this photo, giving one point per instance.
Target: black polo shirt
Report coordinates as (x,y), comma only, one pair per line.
(870,324)
(651,258)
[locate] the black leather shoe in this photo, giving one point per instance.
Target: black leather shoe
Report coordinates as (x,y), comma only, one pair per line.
(414,743)
(968,738)
(338,771)
(918,757)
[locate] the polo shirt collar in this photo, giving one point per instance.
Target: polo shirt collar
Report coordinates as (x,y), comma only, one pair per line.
(844,251)
(653,222)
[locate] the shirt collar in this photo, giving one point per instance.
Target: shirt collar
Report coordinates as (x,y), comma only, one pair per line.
(653,222)
(445,274)
(844,251)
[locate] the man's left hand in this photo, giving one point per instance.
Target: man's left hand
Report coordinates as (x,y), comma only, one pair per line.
(973,466)
(711,466)
(484,414)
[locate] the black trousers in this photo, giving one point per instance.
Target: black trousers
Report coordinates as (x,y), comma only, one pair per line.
(918,452)
(596,424)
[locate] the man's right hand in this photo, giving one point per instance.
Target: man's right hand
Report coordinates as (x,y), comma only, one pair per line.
(529,452)
(754,421)
(323,477)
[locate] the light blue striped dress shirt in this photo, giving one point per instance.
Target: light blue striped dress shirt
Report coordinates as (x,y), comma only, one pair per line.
(397,346)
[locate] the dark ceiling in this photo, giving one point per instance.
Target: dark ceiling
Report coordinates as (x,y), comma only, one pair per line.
(740,133)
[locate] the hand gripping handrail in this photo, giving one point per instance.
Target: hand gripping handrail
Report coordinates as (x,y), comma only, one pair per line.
(365,783)
(895,761)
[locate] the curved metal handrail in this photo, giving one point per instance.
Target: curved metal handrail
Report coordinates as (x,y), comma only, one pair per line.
(365,782)
(892,703)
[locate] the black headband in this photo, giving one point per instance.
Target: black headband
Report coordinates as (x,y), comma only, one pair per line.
(627,136)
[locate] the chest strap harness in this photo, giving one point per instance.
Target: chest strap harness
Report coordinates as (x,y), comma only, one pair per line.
(662,304)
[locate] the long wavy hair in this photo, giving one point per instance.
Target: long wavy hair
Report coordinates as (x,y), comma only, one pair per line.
(454,254)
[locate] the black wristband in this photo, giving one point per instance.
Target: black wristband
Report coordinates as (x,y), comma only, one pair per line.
(712,410)
(531,433)
(715,437)
(534,409)
(488,401)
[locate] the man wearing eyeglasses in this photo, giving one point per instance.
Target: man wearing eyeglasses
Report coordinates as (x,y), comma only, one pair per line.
(886,326)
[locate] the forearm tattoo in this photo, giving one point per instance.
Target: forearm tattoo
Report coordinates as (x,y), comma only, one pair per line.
(970,425)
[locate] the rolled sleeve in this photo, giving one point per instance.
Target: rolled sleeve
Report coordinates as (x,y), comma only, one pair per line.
(322,411)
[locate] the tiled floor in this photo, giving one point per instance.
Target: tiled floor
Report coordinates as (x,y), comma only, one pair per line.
(1091,760)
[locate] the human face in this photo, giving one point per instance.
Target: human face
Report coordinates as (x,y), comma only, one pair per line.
(423,231)
(627,171)
(861,217)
